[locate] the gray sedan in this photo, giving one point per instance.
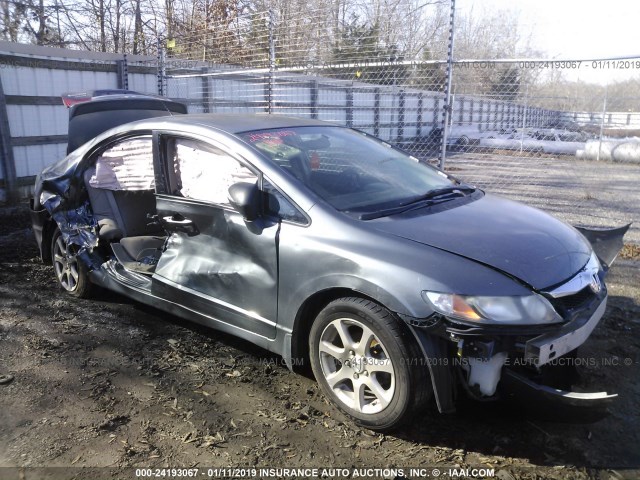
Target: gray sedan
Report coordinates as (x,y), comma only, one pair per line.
(396,282)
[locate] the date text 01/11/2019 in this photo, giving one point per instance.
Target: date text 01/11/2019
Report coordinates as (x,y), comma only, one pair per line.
(327,473)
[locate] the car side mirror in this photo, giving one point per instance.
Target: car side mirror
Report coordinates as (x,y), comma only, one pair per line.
(245,197)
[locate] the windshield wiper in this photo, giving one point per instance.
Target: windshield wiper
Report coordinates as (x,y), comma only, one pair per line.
(441,194)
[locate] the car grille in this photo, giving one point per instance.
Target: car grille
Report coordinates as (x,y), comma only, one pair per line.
(573,301)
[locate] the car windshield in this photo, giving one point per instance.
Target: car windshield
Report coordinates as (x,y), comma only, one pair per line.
(350,170)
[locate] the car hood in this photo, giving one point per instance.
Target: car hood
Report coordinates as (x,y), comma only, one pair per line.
(521,241)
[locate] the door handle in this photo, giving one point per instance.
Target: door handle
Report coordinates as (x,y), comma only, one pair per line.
(179,223)
(177,220)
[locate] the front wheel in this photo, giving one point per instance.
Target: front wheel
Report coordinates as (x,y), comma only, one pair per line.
(70,272)
(367,362)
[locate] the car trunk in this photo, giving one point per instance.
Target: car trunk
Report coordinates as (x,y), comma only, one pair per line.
(89,119)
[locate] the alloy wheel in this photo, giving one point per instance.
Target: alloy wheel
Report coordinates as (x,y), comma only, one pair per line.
(356,366)
(65,264)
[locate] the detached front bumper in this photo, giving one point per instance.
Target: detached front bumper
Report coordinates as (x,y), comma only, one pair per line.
(540,350)
(526,386)
(531,365)
(525,362)
(554,403)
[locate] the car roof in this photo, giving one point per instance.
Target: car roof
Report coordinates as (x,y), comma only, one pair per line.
(235,123)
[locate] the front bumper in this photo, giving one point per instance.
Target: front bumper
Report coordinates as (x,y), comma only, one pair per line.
(554,403)
(546,347)
(517,363)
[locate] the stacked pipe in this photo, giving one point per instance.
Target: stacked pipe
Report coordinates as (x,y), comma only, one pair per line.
(625,150)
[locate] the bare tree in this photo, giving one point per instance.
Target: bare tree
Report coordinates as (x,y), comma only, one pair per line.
(14,16)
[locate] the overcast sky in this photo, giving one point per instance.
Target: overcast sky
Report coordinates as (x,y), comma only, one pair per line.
(567,29)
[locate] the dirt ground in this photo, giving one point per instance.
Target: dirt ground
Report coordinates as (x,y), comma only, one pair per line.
(109,382)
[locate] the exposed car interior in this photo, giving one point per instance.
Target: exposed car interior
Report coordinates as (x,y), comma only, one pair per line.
(120,186)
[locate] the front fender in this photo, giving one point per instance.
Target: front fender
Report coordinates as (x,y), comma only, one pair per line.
(392,271)
(342,281)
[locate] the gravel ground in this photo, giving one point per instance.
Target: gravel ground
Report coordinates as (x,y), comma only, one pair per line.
(108,382)
(579,192)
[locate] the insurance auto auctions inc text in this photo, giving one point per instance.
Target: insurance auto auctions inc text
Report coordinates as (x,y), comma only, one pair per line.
(368,473)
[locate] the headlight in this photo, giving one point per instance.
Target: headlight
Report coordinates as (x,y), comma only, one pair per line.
(526,310)
(593,265)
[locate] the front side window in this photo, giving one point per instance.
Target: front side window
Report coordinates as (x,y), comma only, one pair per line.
(349,170)
(203,172)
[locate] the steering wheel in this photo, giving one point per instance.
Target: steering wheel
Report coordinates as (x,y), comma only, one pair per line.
(351,179)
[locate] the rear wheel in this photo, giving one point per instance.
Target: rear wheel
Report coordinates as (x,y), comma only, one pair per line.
(367,363)
(70,272)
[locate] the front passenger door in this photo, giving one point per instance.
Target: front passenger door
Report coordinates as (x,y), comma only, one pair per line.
(215,263)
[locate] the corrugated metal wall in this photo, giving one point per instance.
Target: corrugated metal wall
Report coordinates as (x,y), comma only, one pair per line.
(33,80)
(393,113)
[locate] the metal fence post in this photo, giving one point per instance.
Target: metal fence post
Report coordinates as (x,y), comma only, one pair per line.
(272,62)
(6,151)
(313,93)
(350,106)
(401,114)
(206,94)
(524,118)
(604,112)
(161,68)
(447,93)
(419,114)
(123,72)
(376,111)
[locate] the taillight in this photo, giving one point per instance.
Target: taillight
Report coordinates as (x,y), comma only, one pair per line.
(70,99)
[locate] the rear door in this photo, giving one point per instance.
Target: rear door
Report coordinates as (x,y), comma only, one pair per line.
(215,263)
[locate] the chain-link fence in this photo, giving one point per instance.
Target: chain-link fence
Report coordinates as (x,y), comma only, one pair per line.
(537,130)
(312,64)
(525,128)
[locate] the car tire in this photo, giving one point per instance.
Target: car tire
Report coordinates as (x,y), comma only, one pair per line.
(72,275)
(377,383)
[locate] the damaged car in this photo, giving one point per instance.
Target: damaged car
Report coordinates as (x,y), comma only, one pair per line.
(398,283)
